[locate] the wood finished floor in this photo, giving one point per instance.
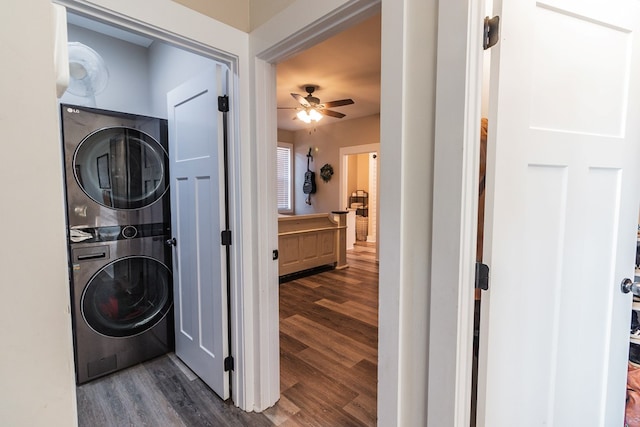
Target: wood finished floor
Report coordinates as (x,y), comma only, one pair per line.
(328,346)
(158,393)
(328,363)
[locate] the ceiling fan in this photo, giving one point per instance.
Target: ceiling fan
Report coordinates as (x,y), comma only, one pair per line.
(312,109)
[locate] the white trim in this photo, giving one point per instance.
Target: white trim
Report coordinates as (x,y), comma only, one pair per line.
(113,12)
(136,17)
(456,180)
(266,327)
(373,197)
(406,144)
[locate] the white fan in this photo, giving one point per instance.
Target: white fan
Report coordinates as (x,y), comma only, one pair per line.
(87,71)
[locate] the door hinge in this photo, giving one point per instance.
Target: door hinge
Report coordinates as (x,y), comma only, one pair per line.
(223,104)
(228,363)
(225,236)
(491,32)
(482,276)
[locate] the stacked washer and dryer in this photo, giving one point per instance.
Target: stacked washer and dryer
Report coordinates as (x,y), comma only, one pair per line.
(117,180)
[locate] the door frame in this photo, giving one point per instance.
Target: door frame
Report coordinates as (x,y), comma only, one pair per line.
(269,44)
(343,153)
(228,49)
(440,203)
(456,182)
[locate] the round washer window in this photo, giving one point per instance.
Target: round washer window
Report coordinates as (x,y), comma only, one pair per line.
(121,168)
(127,297)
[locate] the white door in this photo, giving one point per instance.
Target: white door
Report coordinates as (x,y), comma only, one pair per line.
(562,211)
(197,215)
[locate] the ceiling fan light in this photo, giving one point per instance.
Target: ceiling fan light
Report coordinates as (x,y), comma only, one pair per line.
(302,115)
(315,115)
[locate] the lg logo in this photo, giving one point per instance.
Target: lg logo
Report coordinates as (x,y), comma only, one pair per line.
(73,110)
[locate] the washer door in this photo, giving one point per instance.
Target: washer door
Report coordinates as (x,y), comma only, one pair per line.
(121,168)
(127,297)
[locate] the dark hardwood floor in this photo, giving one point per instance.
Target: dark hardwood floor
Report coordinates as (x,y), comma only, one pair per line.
(328,363)
(158,393)
(329,346)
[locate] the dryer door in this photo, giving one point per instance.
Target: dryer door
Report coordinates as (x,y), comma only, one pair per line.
(121,168)
(127,297)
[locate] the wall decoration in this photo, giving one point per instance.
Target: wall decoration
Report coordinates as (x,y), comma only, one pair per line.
(325,172)
(309,186)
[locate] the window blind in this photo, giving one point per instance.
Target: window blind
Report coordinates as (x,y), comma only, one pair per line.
(284,172)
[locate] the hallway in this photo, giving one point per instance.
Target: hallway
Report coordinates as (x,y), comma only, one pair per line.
(328,365)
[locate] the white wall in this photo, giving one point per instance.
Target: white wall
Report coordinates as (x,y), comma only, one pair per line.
(352,173)
(326,142)
(128,87)
(234,13)
(244,15)
(261,11)
(362,182)
(36,362)
(286,136)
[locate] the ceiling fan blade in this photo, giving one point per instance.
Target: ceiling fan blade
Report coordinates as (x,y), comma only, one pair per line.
(339,103)
(332,113)
(301,99)
(288,108)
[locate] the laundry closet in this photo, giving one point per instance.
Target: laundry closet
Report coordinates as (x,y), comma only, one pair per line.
(114,121)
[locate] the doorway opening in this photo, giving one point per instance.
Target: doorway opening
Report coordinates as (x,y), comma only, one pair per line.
(329,320)
(143,66)
(359,192)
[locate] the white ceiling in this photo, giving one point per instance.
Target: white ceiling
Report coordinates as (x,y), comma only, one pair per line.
(344,66)
(109,30)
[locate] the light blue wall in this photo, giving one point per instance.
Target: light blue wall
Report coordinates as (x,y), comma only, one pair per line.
(128,86)
(169,67)
(139,77)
